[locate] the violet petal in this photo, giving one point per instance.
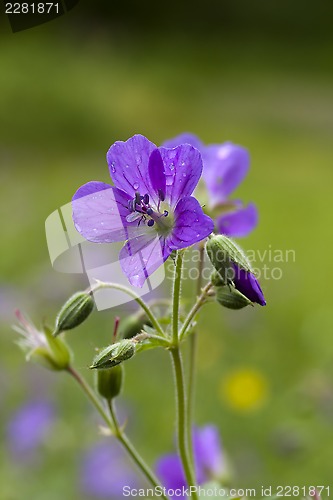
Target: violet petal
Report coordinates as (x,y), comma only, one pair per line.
(128,164)
(208,451)
(141,256)
(191,224)
(99,213)
(248,285)
(225,166)
(183,168)
(185,138)
(105,472)
(29,427)
(170,470)
(238,223)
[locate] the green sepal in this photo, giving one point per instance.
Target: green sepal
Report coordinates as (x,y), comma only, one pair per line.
(231,298)
(110,381)
(55,356)
(74,312)
(114,354)
(216,279)
(223,252)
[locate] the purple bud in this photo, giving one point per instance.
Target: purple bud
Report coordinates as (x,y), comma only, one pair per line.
(248,285)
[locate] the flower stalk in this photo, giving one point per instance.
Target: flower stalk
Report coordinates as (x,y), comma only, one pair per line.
(151,316)
(182,420)
(198,304)
(182,409)
(176,297)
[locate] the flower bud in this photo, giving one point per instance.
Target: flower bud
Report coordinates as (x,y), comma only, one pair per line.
(74,312)
(133,325)
(231,298)
(110,381)
(233,269)
(223,254)
(114,354)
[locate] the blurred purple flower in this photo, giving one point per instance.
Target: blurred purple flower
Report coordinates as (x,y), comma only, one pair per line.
(29,427)
(150,207)
(224,167)
(208,457)
(104,472)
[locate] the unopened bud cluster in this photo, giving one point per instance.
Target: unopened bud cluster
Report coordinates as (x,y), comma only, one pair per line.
(233,279)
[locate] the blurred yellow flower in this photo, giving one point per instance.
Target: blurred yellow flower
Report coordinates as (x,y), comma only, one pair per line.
(245,389)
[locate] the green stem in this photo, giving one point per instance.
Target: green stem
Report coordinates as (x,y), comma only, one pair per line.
(176,297)
(115,429)
(199,303)
(91,394)
(182,434)
(191,390)
(145,307)
(121,436)
(192,360)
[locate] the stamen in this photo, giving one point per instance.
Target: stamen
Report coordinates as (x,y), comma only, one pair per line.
(150,211)
(145,199)
(131,205)
(150,223)
(166,213)
(137,198)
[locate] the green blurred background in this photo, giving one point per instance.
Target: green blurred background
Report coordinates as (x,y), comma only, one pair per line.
(256,73)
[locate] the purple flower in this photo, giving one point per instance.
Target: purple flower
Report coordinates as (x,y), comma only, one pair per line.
(208,457)
(29,427)
(246,283)
(225,166)
(150,205)
(104,472)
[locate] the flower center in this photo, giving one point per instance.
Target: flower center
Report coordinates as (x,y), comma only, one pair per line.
(141,210)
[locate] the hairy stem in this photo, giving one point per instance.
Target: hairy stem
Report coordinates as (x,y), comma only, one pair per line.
(182,421)
(192,360)
(142,304)
(199,303)
(176,297)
